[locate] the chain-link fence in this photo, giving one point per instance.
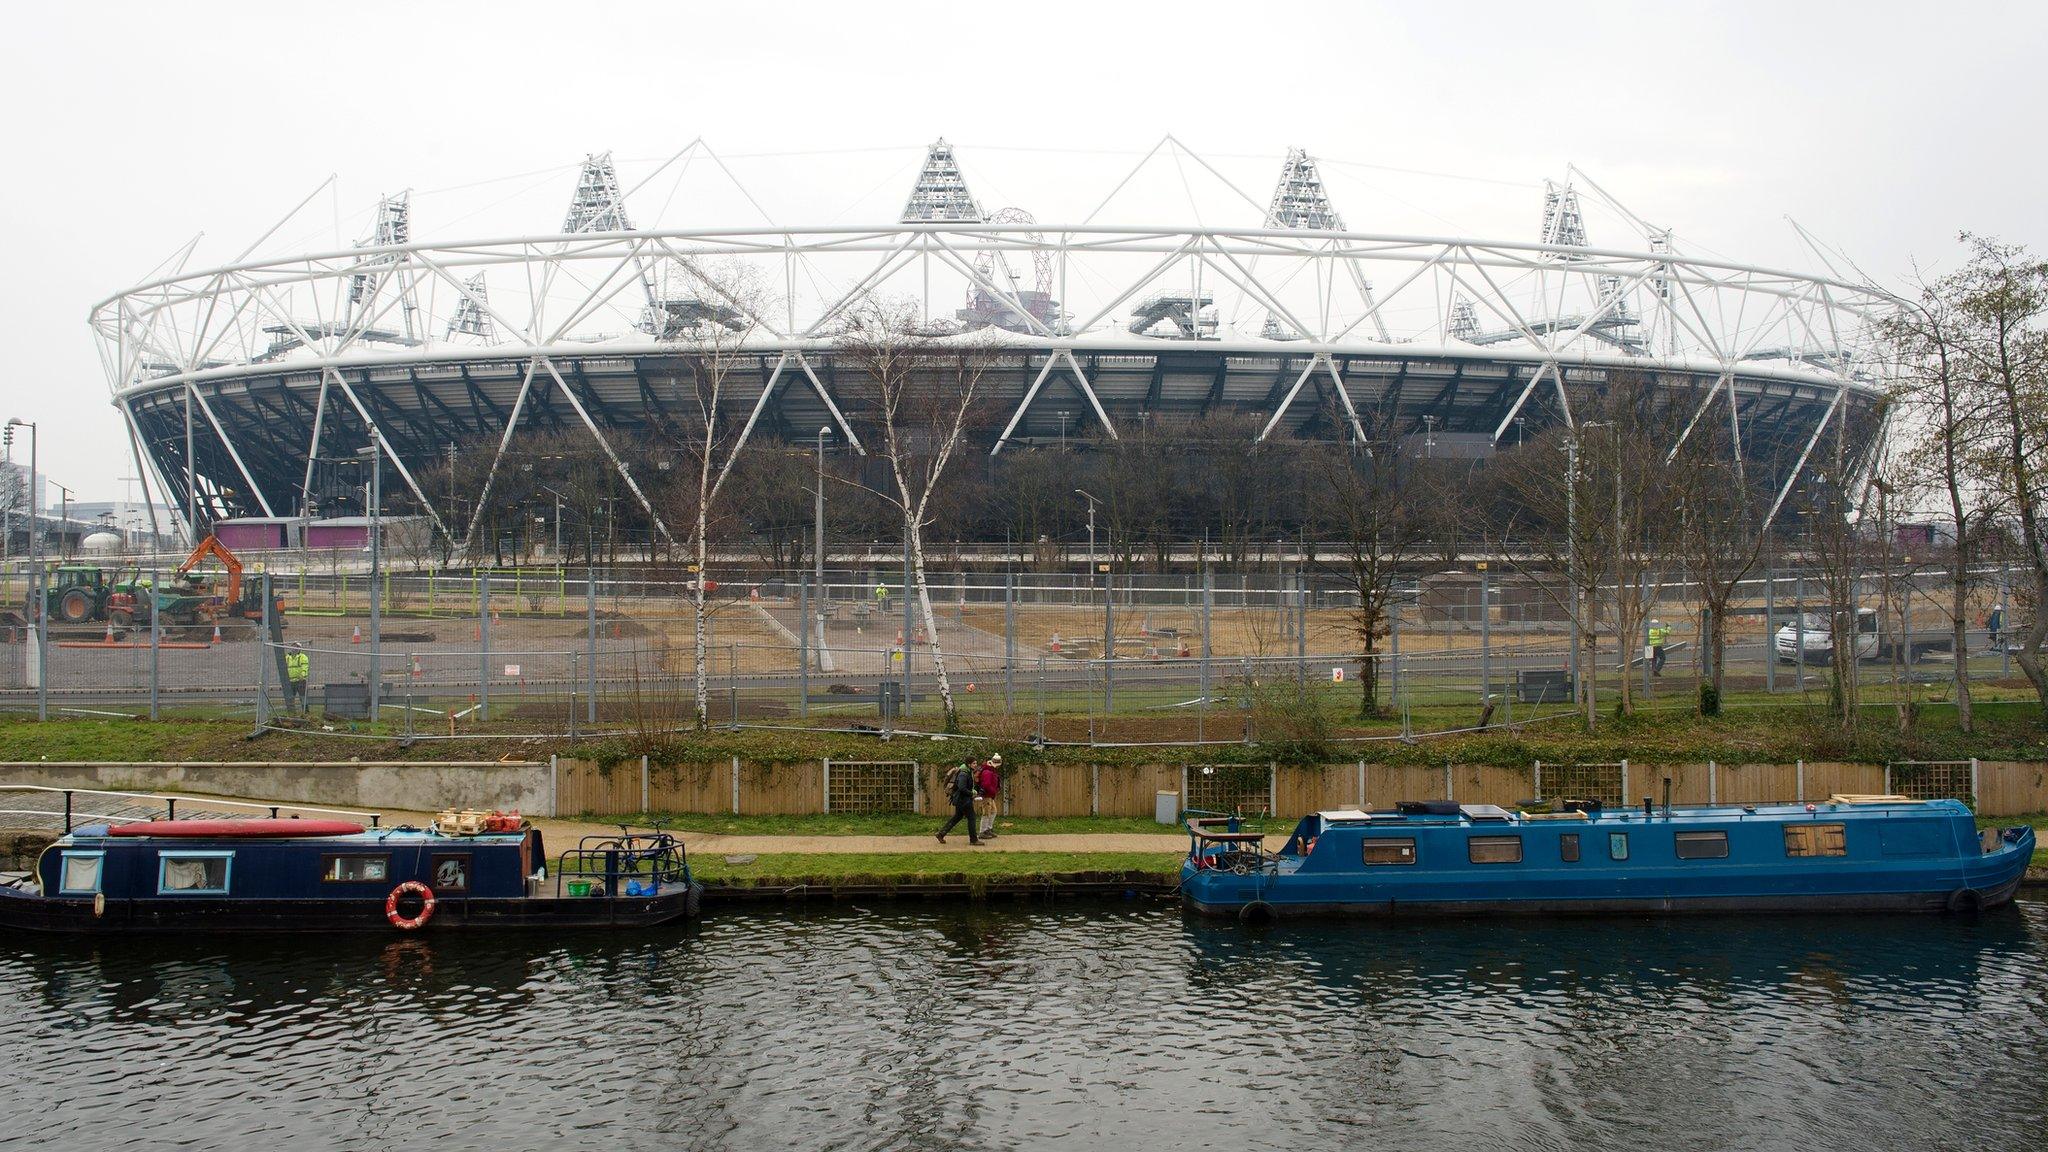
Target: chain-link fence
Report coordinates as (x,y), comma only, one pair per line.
(1176,658)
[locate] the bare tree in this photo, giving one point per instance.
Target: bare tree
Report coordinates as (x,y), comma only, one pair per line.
(2001,297)
(1375,504)
(924,394)
(1926,344)
(1720,538)
(713,328)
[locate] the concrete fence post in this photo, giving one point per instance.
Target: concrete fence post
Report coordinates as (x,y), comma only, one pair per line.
(1539,779)
(1094,790)
(1713,783)
(643,783)
(1361,785)
(554,785)
(1272,789)
(1887,779)
(1974,790)
(735,785)
(1450,790)
(825,782)
(1184,787)
(1625,794)
(1799,781)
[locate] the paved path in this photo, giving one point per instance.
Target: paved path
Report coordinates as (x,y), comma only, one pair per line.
(562,834)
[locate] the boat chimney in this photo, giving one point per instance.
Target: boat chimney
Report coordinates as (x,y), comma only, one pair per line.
(1649,807)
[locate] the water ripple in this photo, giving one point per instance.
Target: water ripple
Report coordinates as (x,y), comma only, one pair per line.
(1116,1025)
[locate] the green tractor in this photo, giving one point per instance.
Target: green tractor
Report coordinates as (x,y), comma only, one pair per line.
(77,594)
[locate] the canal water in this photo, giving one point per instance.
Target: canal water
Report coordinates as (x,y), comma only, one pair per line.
(1118,1025)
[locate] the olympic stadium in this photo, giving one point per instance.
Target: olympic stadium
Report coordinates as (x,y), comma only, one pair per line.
(239,383)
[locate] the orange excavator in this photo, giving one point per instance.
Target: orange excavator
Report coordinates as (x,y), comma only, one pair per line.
(189,598)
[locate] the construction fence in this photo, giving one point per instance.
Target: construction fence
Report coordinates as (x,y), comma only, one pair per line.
(1114,660)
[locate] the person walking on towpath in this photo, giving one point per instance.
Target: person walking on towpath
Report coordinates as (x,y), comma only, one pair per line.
(960,787)
(988,783)
(296,667)
(1659,634)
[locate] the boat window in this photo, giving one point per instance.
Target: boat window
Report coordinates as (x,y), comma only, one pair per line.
(1702,845)
(1815,840)
(451,871)
(1390,850)
(1617,845)
(1568,848)
(193,873)
(1494,849)
(355,869)
(81,873)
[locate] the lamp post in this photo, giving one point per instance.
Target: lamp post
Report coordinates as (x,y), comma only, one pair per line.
(558,522)
(37,614)
(1091,526)
(376,460)
(818,542)
(12,424)
(63,522)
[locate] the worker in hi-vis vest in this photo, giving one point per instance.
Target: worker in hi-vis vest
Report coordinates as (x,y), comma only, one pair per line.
(296,667)
(881,596)
(1658,635)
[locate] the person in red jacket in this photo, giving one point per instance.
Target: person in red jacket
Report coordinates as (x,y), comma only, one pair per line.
(988,787)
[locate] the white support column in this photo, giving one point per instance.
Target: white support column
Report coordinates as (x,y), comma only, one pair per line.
(618,465)
(754,417)
(1792,477)
(1024,405)
(313,444)
(255,489)
(825,398)
(1288,400)
(391,454)
(504,442)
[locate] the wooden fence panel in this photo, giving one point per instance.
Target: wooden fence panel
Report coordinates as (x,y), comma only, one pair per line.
(1387,783)
(584,786)
(2005,788)
(1049,790)
(1825,779)
(782,789)
(690,787)
(1301,789)
(1132,790)
(2011,789)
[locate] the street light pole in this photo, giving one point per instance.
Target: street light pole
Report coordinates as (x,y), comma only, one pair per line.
(376,554)
(1091,526)
(38,613)
(818,543)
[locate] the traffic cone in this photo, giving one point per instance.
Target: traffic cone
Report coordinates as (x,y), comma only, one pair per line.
(110,630)
(216,631)
(355,635)
(415,667)
(754,594)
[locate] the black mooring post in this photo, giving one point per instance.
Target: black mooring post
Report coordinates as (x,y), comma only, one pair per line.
(67,811)
(170,809)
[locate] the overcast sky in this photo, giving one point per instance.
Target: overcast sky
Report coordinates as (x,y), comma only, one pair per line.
(1882,128)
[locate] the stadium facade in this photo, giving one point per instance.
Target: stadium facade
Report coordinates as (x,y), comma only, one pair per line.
(237,383)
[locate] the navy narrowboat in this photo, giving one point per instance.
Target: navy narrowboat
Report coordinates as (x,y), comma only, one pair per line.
(1848,854)
(334,875)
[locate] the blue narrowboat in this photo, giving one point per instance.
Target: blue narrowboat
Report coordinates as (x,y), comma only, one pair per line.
(1846,854)
(334,875)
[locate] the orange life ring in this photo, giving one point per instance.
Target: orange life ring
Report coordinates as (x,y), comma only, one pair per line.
(408,923)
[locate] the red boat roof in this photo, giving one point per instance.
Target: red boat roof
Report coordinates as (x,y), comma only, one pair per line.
(237,829)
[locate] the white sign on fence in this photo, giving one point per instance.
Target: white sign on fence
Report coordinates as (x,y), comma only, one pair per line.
(511,670)
(1337,675)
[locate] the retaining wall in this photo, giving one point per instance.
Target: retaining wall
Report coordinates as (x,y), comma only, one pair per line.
(347,784)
